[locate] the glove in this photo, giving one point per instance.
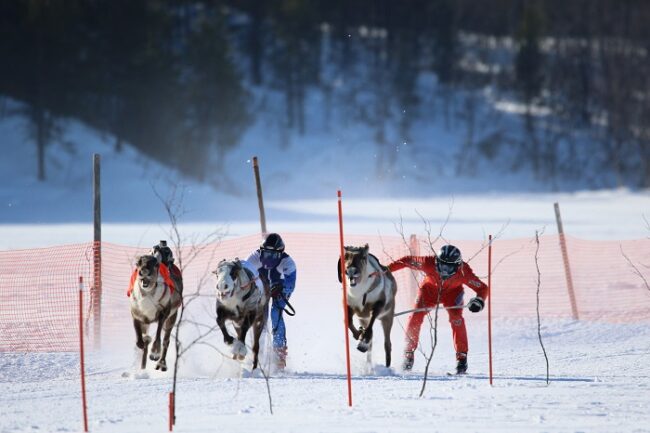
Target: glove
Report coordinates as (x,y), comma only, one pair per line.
(476,304)
(276,290)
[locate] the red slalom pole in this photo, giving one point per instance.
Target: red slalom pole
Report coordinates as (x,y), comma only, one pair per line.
(345,303)
(490,304)
(81,352)
(171,411)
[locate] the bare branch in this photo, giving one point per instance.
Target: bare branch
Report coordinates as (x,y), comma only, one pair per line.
(433,335)
(539,323)
(427,228)
(485,242)
(507,256)
(433,323)
(635,269)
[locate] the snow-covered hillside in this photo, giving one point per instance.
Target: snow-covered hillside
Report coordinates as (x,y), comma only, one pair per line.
(300,182)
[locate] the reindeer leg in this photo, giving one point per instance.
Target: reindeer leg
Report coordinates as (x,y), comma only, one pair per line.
(155,349)
(142,342)
(355,332)
(169,325)
(257,333)
(221,321)
(387,325)
(366,336)
(239,350)
(139,342)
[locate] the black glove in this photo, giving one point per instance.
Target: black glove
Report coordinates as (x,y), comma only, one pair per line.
(476,304)
(276,290)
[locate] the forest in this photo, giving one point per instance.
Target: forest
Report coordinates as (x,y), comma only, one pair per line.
(180,80)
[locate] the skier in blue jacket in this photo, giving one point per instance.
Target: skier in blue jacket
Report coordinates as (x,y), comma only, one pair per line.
(277,270)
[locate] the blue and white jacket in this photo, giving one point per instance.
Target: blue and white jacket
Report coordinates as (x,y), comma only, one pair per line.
(284,272)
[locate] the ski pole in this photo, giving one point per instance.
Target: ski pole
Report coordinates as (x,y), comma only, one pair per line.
(417,310)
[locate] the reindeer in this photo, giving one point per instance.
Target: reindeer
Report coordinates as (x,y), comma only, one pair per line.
(242,301)
(371,296)
(154,298)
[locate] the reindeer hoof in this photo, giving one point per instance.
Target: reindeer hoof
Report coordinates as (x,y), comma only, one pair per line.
(154,356)
(162,366)
(239,350)
(238,357)
(363,347)
(228,340)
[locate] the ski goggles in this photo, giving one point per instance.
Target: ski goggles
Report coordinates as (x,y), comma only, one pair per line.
(270,258)
(270,254)
(447,269)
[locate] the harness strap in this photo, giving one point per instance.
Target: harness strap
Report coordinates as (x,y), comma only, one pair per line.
(162,294)
(164,271)
(251,281)
(134,276)
(290,310)
(374,285)
(248,295)
(251,284)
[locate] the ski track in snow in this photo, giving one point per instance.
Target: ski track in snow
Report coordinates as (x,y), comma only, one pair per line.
(600,381)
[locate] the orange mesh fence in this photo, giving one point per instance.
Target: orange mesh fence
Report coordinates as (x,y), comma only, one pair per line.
(38,288)
(39,297)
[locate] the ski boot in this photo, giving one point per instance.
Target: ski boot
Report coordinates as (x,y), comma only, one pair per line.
(280,358)
(461,365)
(409,359)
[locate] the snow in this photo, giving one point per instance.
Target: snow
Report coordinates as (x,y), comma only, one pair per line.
(600,377)
(599,382)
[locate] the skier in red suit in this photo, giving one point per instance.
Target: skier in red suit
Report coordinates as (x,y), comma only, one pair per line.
(449,271)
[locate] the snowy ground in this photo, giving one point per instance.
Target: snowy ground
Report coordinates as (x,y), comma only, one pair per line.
(600,374)
(600,382)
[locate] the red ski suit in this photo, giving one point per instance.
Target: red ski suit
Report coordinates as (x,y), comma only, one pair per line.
(451,295)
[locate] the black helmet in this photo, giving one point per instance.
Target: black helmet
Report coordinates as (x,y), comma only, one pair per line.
(164,252)
(449,260)
(271,251)
(273,242)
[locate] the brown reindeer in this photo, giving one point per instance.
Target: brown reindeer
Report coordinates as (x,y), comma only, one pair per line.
(154,298)
(371,296)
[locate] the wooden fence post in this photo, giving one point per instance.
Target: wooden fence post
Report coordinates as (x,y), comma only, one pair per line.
(82,367)
(260,199)
(96,290)
(567,267)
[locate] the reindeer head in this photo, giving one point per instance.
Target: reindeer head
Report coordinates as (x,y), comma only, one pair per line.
(356,260)
(227,273)
(147,267)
